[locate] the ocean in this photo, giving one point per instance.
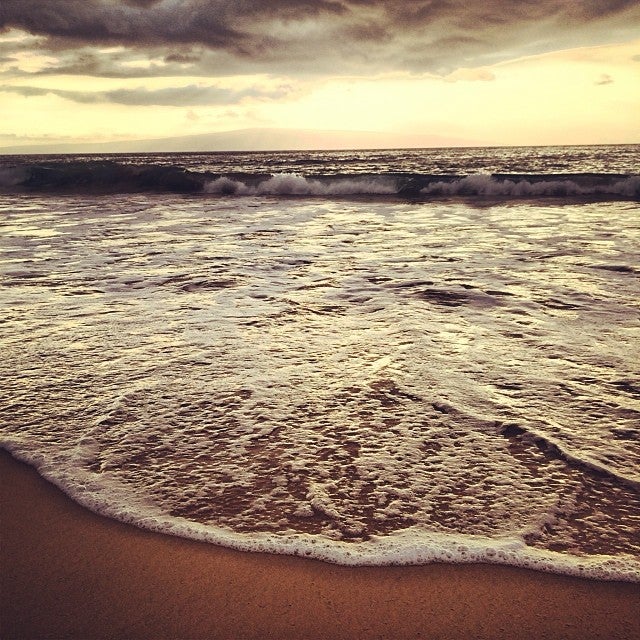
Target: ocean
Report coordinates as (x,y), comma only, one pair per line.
(365,357)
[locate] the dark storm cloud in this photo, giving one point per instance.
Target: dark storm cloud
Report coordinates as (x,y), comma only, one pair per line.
(189,96)
(325,35)
(215,23)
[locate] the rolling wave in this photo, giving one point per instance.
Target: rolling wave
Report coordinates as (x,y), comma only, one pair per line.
(113,177)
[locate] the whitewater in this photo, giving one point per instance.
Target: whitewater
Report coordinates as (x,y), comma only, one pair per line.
(382,357)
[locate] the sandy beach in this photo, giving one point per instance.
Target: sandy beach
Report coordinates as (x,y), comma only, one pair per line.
(68,573)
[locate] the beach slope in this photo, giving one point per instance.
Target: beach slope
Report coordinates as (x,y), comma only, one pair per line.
(68,573)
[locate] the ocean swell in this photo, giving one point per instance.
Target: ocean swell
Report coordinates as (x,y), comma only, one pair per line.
(113,177)
(536,186)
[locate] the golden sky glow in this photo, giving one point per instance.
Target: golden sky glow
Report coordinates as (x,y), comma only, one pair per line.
(577,95)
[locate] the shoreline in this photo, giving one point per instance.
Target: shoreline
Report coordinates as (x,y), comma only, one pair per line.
(69,573)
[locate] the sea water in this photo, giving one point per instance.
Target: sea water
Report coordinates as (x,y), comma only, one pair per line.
(365,379)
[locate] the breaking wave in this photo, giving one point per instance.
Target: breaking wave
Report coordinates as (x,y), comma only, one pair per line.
(520,187)
(418,186)
(296,185)
(114,177)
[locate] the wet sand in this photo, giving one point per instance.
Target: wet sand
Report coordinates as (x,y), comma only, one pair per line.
(68,573)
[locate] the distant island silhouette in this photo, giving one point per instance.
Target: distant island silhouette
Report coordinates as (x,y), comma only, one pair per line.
(258,139)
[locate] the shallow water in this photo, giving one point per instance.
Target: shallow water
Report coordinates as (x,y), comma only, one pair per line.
(362,381)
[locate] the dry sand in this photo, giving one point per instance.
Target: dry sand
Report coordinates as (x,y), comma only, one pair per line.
(68,573)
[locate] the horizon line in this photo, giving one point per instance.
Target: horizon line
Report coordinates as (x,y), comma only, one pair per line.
(6,151)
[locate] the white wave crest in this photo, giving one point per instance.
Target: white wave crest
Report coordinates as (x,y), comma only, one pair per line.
(297,185)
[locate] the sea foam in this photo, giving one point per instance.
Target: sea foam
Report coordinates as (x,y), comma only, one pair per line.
(365,381)
(412,546)
(294,184)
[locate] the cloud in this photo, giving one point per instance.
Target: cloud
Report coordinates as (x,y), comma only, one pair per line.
(187,96)
(194,95)
(307,36)
(605,78)
(182,57)
(470,75)
(120,64)
(129,63)
(75,96)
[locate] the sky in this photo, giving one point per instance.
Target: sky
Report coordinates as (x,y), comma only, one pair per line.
(492,72)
